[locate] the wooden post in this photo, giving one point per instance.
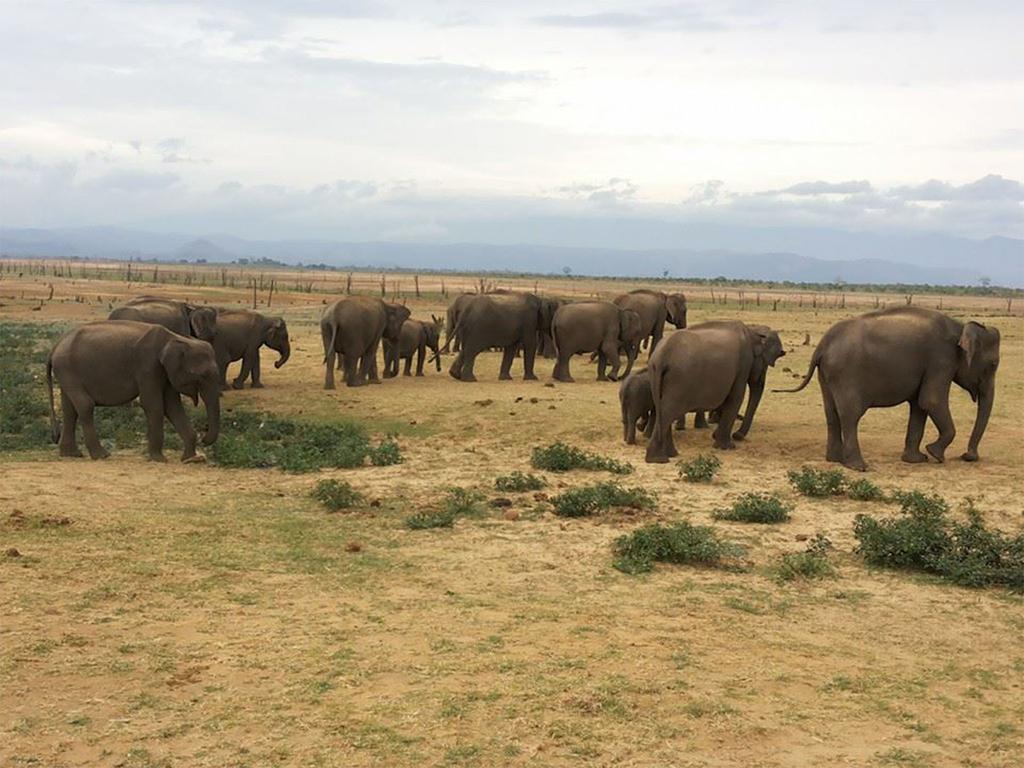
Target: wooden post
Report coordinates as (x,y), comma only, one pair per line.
(348,283)
(383,285)
(416,283)
(253,293)
(270,293)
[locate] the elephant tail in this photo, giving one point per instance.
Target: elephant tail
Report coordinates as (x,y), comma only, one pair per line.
(329,343)
(452,334)
(54,426)
(807,378)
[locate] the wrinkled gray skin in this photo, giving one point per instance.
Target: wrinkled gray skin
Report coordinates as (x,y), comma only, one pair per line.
(353,328)
(178,316)
(416,337)
(637,404)
(240,334)
(112,362)
(510,321)
(655,309)
(595,326)
(903,355)
(702,368)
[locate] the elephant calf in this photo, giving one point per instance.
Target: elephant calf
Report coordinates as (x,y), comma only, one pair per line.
(637,404)
(240,334)
(595,326)
(416,336)
(112,362)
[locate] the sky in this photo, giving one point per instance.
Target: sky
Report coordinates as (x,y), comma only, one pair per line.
(398,120)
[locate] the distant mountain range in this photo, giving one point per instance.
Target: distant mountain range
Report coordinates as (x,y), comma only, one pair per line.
(851,257)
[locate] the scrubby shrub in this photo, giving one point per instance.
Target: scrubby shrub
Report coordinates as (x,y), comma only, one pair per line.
(817,483)
(458,502)
(430,519)
(925,538)
(591,499)
(560,457)
(701,469)
(680,543)
(518,482)
(386,453)
(812,563)
(755,508)
(336,495)
(864,490)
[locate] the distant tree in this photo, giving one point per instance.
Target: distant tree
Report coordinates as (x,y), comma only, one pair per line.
(985,281)
(567,271)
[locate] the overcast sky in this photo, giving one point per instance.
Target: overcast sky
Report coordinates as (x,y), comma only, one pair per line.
(390,119)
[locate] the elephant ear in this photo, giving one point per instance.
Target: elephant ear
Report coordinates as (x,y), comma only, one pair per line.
(761,338)
(971,340)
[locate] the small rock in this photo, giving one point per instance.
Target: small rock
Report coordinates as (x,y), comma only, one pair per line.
(519,399)
(551,407)
(802,537)
(549,384)
(511,413)
(413,423)
(603,402)
(510,514)
(787,370)
(353,546)
(375,503)
(13,552)
(483,403)
(500,502)
(534,400)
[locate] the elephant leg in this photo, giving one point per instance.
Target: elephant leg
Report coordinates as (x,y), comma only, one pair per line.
(602,365)
(647,424)
(681,423)
(85,407)
(943,420)
(834,441)
(462,368)
(529,357)
(243,374)
(455,369)
(756,391)
(153,404)
(561,372)
(915,433)
(507,356)
(662,447)
(254,370)
(353,374)
(727,418)
(421,356)
(175,414)
(701,420)
(222,366)
(850,413)
(370,365)
(611,352)
(68,446)
(329,360)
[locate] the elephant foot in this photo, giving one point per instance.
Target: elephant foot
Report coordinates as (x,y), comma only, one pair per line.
(102,453)
(730,446)
(856,464)
(355,383)
(937,452)
(195,458)
(256,385)
(236,384)
(530,377)
(505,377)
(969,455)
(329,386)
(470,377)
(834,455)
(157,456)
(739,436)
(71,453)
(658,458)
(914,457)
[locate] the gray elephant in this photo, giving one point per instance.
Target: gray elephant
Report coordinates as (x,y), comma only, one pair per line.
(510,321)
(240,334)
(416,337)
(178,316)
(702,368)
(452,314)
(903,355)
(353,328)
(111,362)
(595,326)
(637,405)
(655,308)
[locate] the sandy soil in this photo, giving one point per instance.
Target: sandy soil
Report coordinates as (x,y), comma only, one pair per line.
(189,615)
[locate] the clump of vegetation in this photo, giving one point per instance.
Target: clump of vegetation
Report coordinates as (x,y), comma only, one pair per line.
(864,490)
(755,508)
(518,482)
(336,495)
(591,499)
(458,502)
(818,483)
(560,457)
(386,453)
(680,543)
(701,469)
(812,563)
(925,538)
(24,408)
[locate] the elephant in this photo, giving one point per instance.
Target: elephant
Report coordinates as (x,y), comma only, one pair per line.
(353,327)
(178,316)
(702,368)
(903,355)
(595,326)
(655,308)
(240,334)
(637,404)
(416,336)
(111,362)
(510,321)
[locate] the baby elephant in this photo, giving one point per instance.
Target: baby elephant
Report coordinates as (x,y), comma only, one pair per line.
(637,405)
(416,336)
(114,361)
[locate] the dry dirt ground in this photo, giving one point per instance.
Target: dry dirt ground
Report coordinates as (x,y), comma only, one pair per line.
(190,615)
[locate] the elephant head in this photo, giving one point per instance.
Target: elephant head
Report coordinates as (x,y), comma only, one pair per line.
(275,336)
(768,345)
(977,362)
(202,322)
(675,304)
(397,314)
(630,330)
(191,367)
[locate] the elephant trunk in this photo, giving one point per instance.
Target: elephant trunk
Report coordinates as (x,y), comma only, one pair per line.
(285,351)
(986,398)
(211,399)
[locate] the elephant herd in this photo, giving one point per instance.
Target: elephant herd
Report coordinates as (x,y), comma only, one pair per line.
(157,349)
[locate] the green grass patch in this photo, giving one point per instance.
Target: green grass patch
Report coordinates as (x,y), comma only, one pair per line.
(561,457)
(864,490)
(336,495)
(518,482)
(24,406)
(818,483)
(755,508)
(680,543)
(458,502)
(591,499)
(701,469)
(812,563)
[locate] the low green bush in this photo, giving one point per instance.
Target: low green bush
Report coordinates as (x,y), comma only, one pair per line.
(701,469)
(458,502)
(925,538)
(430,519)
(680,543)
(864,490)
(591,499)
(560,457)
(812,563)
(518,482)
(386,453)
(818,483)
(336,495)
(755,508)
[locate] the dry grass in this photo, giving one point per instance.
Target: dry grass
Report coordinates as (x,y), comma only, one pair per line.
(196,616)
